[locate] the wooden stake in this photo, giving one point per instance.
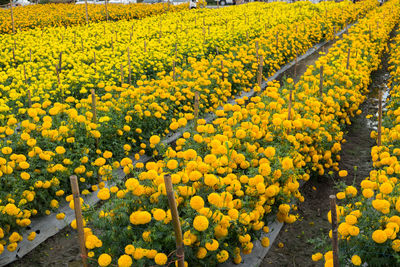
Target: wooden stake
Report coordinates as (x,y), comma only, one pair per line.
(290,105)
(257,56)
(29,98)
(60,62)
(87,14)
(94,112)
(12,17)
(335,248)
(78,218)
(196,108)
(173,70)
(379,141)
(105,4)
(122,74)
(260,71)
(30,55)
(175,221)
(58,75)
(321,80)
(145,46)
(348,60)
(129,68)
(222,70)
(94,61)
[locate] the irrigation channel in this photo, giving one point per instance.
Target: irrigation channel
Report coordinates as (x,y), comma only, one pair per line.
(62,249)
(297,242)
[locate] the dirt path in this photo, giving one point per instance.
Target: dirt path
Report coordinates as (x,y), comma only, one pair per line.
(309,234)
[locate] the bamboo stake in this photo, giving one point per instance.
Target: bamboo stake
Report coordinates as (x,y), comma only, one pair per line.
(105,4)
(12,17)
(290,105)
(257,47)
(321,80)
(78,217)
(122,75)
(60,62)
(348,60)
(13,52)
(145,46)
(335,248)
(222,70)
(129,68)
(260,71)
(175,221)
(94,61)
(28,90)
(94,112)
(196,108)
(87,14)
(173,70)
(380,119)
(30,55)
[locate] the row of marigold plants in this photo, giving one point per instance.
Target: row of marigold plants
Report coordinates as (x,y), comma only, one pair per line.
(43,145)
(369,219)
(65,15)
(236,174)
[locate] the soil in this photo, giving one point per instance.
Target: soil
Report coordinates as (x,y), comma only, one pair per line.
(309,234)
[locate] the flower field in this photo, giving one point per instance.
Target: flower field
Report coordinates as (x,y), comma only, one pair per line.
(369,221)
(54,15)
(88,100)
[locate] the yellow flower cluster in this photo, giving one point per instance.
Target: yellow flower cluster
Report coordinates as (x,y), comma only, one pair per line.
(59,135)
(369,221)
(53,15)
(231,175)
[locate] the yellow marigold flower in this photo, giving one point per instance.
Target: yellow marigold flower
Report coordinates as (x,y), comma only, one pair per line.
(265,242)
(60,150)
(125,261)
(160,259)
(201,253)
(154,140)
(356,260)
(103,194)
(316,256)
(159,214)
(386,188)
(104,260)
(379,236)
(196,202)
(213,245)
(200,223)
(343,173)
(172,164)
(174,125)
(287,163)
(396,245)
(222,256)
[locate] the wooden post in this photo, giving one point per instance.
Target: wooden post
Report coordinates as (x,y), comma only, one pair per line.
(87,14)
(30,55)
(94,61)
(196,108)
(348,60)
(175,221)
(13,52)
(28,91)
(60,62)
(260,71)
(129,68)
(277,40)
(295,67)
(222,70)
(173,70)
(58,74)
(290,105)
(335,248)
(379,141)
(94,112)
(321,80)
(122,74)
(105,4)
(257,56)
(145,46)
(78,218)
(12,17)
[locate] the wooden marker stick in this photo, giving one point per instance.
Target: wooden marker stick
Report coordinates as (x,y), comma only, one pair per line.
(379,141)
(12,17)
(321,80)
(196,108)
(335,248)
(175,221)
(260,71)
(78,217)
(348,60)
